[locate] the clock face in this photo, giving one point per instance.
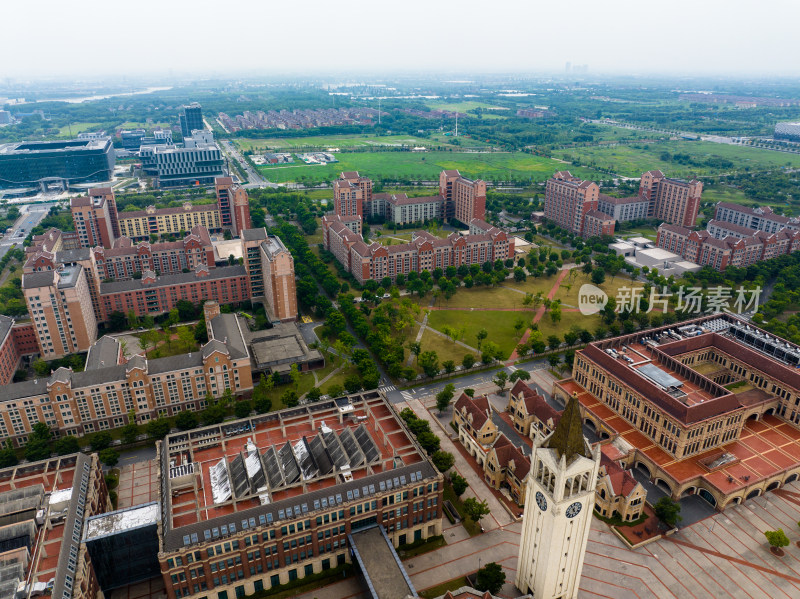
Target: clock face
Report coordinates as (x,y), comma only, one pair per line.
(541,501)
(574,509)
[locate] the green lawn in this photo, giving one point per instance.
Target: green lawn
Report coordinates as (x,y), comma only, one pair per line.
(444,348)
(633,160)
(441,589)
(649,232)
(491,297)
(724,193)
(462,106)
(500,326)
(426,166)
(333,141)
(73,129)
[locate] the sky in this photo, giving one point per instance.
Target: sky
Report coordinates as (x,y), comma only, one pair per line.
(90,38)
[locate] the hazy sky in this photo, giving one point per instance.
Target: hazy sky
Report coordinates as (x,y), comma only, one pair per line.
(96,37)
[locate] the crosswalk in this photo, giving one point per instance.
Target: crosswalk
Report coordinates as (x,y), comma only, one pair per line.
(387,388)
(512,368)
(406,395)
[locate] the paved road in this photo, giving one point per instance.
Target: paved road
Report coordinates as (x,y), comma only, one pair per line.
(32,215)
(253,176)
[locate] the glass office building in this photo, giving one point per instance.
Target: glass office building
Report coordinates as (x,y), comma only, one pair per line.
(69,162)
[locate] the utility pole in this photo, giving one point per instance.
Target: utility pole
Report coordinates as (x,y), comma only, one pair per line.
(456,123)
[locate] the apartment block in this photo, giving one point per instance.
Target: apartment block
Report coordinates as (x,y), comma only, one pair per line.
(464,199)
(9,350)
(402,210)
(279,282)
(351,192)
(102,396)
(234,205)
(725,244)
(624,209)
(95,219)
(424,252)
(154,294)
(60,305)
(127,258)
(761,218)
(567,201)
(673,201)
(138,225)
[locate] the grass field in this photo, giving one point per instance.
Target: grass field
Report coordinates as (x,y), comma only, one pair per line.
(444,348)
(724,193)
(75,128)
(632,161)
(462,106)
(499,324)
(427,166)
(335,141)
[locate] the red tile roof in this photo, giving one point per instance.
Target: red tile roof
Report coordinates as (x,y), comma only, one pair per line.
(478,407)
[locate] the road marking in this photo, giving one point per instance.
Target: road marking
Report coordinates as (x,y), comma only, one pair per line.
(406,395)
(388,388)
(512,368)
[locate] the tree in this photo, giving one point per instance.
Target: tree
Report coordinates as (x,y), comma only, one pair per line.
(598,276)
(352,383)
(314,394)
(490,578)
(8,456)
(129,433)
(520,375)
(159,428)
(449,366)
(334,322)
(443,460)
(500,379)
(474,509)
(554,360)
(429,362)
(38,446)
(415,348)
(294,374)
(491,352)
(262,405)
(109,457)
(100,441)
(470,392)
(459,484)
(668,511)
(444,397)
(290,398)
(553,341)
(40,367)
(213,414)
(186,421)
(429,441)
(335,390)
(777,538)
(482,334)
(67,445)
(242,409)
(227,397)
(468,361)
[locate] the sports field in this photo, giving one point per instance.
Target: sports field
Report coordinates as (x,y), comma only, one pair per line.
(426,166)
(633,160)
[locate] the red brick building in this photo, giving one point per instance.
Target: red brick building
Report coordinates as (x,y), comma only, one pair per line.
(673,201)
(159,294)
(351,192)
(568,200)
(730,248)
(424,252)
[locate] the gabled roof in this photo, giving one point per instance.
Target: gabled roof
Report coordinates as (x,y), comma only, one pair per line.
(104,352)
(535,404)
(507,452)
(478,407)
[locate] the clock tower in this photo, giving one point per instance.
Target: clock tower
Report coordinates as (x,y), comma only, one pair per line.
(558,510)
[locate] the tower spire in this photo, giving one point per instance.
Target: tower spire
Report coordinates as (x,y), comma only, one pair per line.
(567,438)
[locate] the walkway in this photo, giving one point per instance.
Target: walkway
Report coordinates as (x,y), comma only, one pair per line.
(422,327)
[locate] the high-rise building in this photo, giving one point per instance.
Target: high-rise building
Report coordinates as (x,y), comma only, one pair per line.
(191,119)
(464,199)
(95,218)
(279,284)
(234,206)
(351,192)
(568,199)
(673,201)
(558,512)
(44,163)
(60,305)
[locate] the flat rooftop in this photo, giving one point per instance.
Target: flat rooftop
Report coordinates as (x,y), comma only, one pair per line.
(27,148)
(310,453)
(658,254)
(110,523)
(383,571)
